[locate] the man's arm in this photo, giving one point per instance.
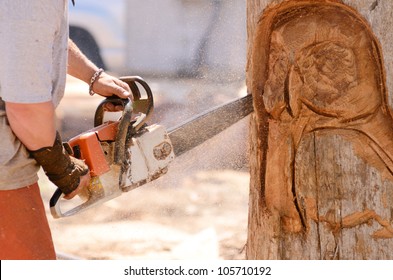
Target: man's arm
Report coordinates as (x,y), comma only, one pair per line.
(32,123)
(79,65)
(82,68)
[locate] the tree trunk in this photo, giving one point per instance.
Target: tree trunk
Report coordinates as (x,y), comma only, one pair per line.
(321,140)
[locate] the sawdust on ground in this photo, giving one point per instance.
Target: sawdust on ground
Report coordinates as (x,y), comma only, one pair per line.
(196,211)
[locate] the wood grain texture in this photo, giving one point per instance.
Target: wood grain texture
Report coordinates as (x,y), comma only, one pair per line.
(321,137)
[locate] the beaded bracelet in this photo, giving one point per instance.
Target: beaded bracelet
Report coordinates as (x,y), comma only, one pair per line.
(93,79)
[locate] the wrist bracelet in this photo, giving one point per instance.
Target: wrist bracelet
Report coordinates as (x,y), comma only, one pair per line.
(93,79)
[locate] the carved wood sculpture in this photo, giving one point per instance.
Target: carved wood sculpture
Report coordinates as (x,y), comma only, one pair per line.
(323,144)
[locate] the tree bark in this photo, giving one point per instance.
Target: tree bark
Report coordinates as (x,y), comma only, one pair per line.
(321,137)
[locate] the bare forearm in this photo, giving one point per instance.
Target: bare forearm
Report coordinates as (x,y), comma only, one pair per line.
(33,124)
(82,68)
(79,65)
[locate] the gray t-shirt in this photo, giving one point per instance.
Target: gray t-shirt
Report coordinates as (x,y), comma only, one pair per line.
(33,65)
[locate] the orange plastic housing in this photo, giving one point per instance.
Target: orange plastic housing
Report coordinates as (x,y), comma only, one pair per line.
(89,144)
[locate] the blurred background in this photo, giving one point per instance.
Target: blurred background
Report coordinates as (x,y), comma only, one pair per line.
(192,53)
(166,38)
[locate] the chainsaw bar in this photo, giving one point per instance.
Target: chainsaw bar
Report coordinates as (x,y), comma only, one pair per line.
(204,126)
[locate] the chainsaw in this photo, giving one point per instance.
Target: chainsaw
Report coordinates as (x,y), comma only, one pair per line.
(125,154)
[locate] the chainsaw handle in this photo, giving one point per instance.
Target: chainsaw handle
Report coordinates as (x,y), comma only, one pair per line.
(125,122)
(147,104)
(54,199)
(139,105)
(57,212)
(54,205)
(115,100)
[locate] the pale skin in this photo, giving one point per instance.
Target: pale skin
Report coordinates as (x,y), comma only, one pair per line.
(26,119)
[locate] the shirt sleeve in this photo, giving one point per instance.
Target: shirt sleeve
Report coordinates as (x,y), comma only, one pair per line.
(26,48)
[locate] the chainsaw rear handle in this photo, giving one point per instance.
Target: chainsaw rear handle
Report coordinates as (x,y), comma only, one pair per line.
(53,203)
(57,211)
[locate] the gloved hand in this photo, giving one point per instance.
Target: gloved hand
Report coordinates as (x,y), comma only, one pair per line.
(62,169)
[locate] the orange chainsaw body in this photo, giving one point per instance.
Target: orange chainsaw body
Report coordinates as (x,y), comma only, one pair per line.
(87,146)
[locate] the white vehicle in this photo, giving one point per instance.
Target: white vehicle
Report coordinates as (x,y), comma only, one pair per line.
(97,27)
(166,37)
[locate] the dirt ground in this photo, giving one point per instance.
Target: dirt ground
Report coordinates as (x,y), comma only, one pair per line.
(196,211)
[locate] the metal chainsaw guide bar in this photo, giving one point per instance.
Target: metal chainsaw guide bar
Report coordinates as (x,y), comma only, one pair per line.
(204,126)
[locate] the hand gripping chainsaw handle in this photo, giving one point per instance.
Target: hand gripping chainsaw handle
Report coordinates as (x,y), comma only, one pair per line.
(119,133)
(143,106)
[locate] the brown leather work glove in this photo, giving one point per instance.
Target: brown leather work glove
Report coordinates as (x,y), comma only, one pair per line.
(62,169)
